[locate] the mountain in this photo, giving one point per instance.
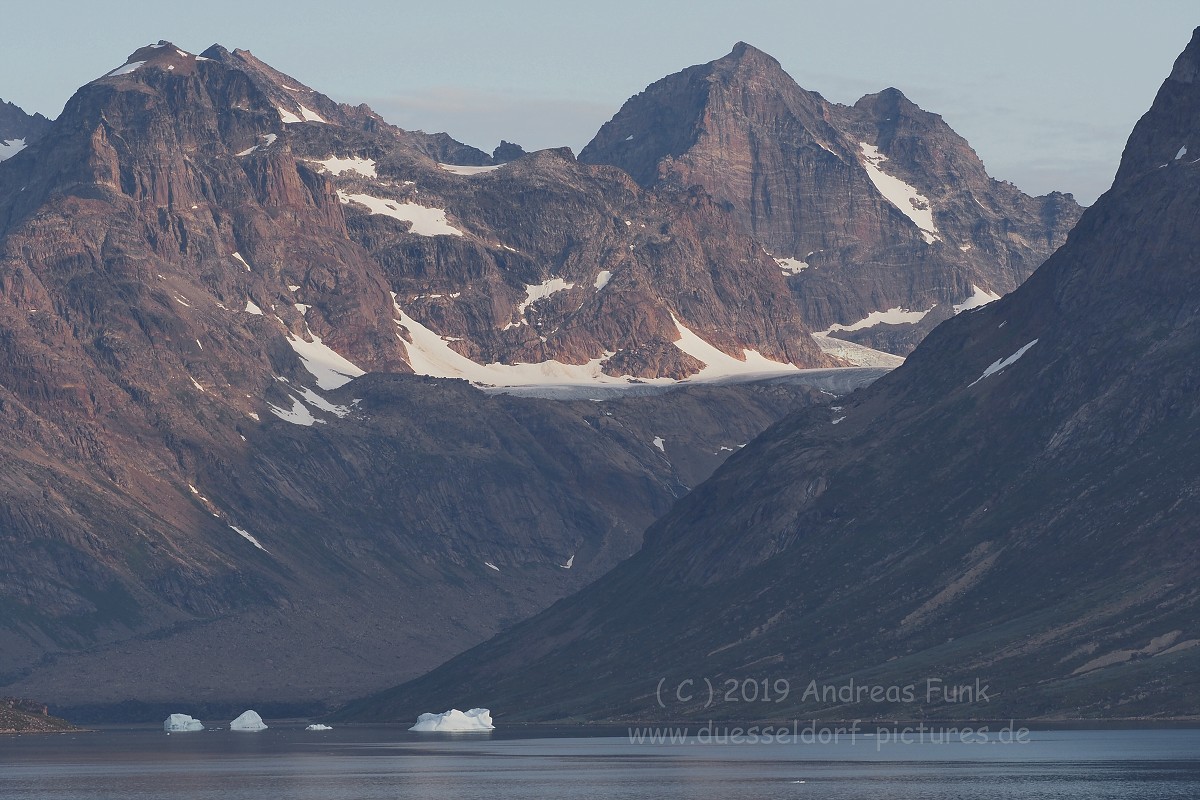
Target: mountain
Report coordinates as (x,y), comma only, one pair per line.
(241,461)
(18,129)
(1014,510)
(883,218)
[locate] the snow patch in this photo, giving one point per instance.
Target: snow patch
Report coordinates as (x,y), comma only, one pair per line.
(1182,152)
(893,316)
(336,166)
(268,140)
(1000,364)
(125,70)
(431,354)
(720,364)
(310,115)
(459,169)
(602,279)
(659,442)
(248,721)
(298,415)
(324,363)
(791,266)
(978,299)
(570,562)
(288,117)
(911,203)
(536,292)
(425,221)
(316,401)
(248,537)
(251,308)
(455,721)
(10,148)
(238,256)
(490,565)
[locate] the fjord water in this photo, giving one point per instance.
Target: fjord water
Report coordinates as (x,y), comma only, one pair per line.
(369,763)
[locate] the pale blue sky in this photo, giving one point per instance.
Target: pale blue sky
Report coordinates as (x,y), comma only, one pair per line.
(1045,91)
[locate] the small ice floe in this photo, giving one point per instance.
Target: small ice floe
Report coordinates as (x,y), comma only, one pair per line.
(455,721)
(248,721)
(182,723)
(318,727)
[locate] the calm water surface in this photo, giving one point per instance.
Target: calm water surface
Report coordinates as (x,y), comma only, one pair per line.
(369,763)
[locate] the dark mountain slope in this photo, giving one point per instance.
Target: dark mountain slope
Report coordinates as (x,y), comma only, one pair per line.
(1018,505)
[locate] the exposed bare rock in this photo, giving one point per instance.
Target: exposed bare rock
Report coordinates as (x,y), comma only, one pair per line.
(27,716)
(870,207)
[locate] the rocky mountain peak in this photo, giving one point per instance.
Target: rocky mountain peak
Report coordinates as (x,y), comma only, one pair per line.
(1168,135)
(876,211)
(1187,66)
(749,57)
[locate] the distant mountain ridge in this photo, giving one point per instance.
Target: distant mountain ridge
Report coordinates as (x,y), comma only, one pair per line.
(18,129)
(869,208)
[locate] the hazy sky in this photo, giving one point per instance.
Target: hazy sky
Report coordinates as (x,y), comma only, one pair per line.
(1045,91)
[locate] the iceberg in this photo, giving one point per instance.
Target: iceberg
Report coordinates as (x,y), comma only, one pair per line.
(182,723)
(318,727)
(248,721)
(455,721)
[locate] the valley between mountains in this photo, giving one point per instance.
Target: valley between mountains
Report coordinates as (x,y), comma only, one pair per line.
(298,405)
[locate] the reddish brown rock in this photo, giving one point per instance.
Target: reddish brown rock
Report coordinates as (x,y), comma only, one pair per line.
(792,167)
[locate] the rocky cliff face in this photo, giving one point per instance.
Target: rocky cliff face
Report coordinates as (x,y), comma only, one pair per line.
(1016,506)
(197,259)
(872,208)
(26,716)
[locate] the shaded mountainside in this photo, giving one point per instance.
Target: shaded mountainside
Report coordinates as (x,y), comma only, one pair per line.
(1017,505)
(873,207)
(200,259)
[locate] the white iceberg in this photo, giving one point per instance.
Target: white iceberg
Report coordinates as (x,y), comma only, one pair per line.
(182,723)
(318,727)
(248,721)
(455,721)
